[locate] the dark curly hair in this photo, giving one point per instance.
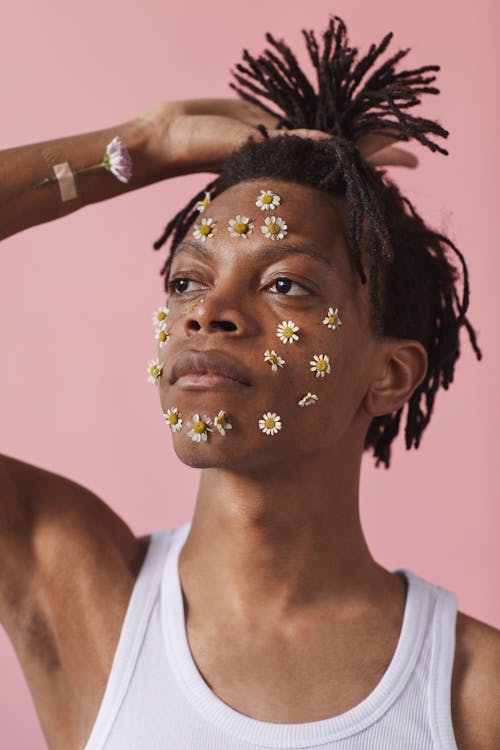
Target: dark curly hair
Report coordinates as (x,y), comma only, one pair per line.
(411,269)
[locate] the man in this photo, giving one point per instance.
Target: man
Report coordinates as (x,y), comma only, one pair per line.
(264,622)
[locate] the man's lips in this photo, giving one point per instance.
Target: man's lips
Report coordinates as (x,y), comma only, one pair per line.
(208,369)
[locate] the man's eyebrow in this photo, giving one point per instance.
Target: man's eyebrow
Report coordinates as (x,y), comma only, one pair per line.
(271,252)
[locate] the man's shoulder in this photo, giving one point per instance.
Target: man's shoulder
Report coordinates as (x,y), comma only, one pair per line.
(476,685)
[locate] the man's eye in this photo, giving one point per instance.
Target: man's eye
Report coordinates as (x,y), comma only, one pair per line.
(180,285)
(289,287)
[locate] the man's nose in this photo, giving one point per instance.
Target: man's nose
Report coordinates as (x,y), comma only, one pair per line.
(219,312)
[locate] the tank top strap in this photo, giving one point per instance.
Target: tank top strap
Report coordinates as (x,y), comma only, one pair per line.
(441,669)
(144,594)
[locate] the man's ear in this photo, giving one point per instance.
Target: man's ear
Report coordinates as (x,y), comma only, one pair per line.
(402,370)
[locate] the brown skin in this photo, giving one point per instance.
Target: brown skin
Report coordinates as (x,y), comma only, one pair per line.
(69,563)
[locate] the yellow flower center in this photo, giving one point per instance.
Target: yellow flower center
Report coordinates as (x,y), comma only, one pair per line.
(163,336)
(321,365)
(199,427)
(273,358)
(220,421)
(287,332)
(205,201)
(267,199)
(240,228)
(173,418)
(270,423)
(155,371)
(274,228)
(333,319)
(205,229)
(161,316)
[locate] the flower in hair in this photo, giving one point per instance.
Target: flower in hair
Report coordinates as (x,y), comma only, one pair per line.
(274,359)
(308,400)
(332,319)
(155,368)
(270,423)
(286,332)
(222,422)
(274,228)
(162,334)
(201,205)
(159,316)
(240,226)
(173,419)
(205,229)
(320,364)
(200,427)
(267,200)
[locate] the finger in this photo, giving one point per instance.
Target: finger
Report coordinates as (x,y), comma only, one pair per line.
(392,156)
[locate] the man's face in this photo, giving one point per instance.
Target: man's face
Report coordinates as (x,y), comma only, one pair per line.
(229,295)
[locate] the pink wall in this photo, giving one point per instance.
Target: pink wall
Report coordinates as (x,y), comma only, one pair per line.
(77,294)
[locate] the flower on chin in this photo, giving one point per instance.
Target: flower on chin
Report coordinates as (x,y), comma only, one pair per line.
(200,427)
(270,423)
(274,359)
(204,230)
(332,319)
(240,226)
(222,422)
(173,419)
(287,332)
(117,160)
(154,369)
(159,316)
(308,400)
(162,334)
(320,364)
(274,228)
(267,200)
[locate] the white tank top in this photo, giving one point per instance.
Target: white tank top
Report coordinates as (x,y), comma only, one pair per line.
(156,698)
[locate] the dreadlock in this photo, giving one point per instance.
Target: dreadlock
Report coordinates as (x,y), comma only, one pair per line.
(413,283)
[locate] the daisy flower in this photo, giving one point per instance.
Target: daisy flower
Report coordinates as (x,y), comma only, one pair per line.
(173,419)
(155,368)
(222,422)
(204,230)
(320,364)
(274,228)
(162,334)
(274,359)
(286,332)
(200,427)
(308,400)
(117,160)
(332,319)
(267,200)
(270,423)
(240,226)
(159,315)
(201,205)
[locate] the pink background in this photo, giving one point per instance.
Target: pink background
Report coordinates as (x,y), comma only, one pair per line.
(77,294)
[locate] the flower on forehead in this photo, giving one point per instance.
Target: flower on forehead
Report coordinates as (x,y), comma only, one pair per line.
(267,200)
(270,423)
(222,422)
(332,319)
(200,427)
(173,418)
(274,228)
(240,226)
(201,205)
(159,315)
(308,400)
(155,368)
(274,359)
(320,364)
(162,334)
(205,229)
(286,332)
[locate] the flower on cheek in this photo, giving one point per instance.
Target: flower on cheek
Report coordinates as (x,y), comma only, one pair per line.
(162,334)
(332,319)
(155,368)
(173,419)
(270,423)
(240,226)
(287,332)
(159,316)
(274,228)
(222,422)
(204,230)
(267,200)
(200,427)
(320,364)
(308,400)
(274,359)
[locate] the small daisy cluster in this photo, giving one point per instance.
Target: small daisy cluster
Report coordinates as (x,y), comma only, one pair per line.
(200,425)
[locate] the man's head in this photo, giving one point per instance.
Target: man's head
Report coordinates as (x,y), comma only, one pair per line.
(358,219)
